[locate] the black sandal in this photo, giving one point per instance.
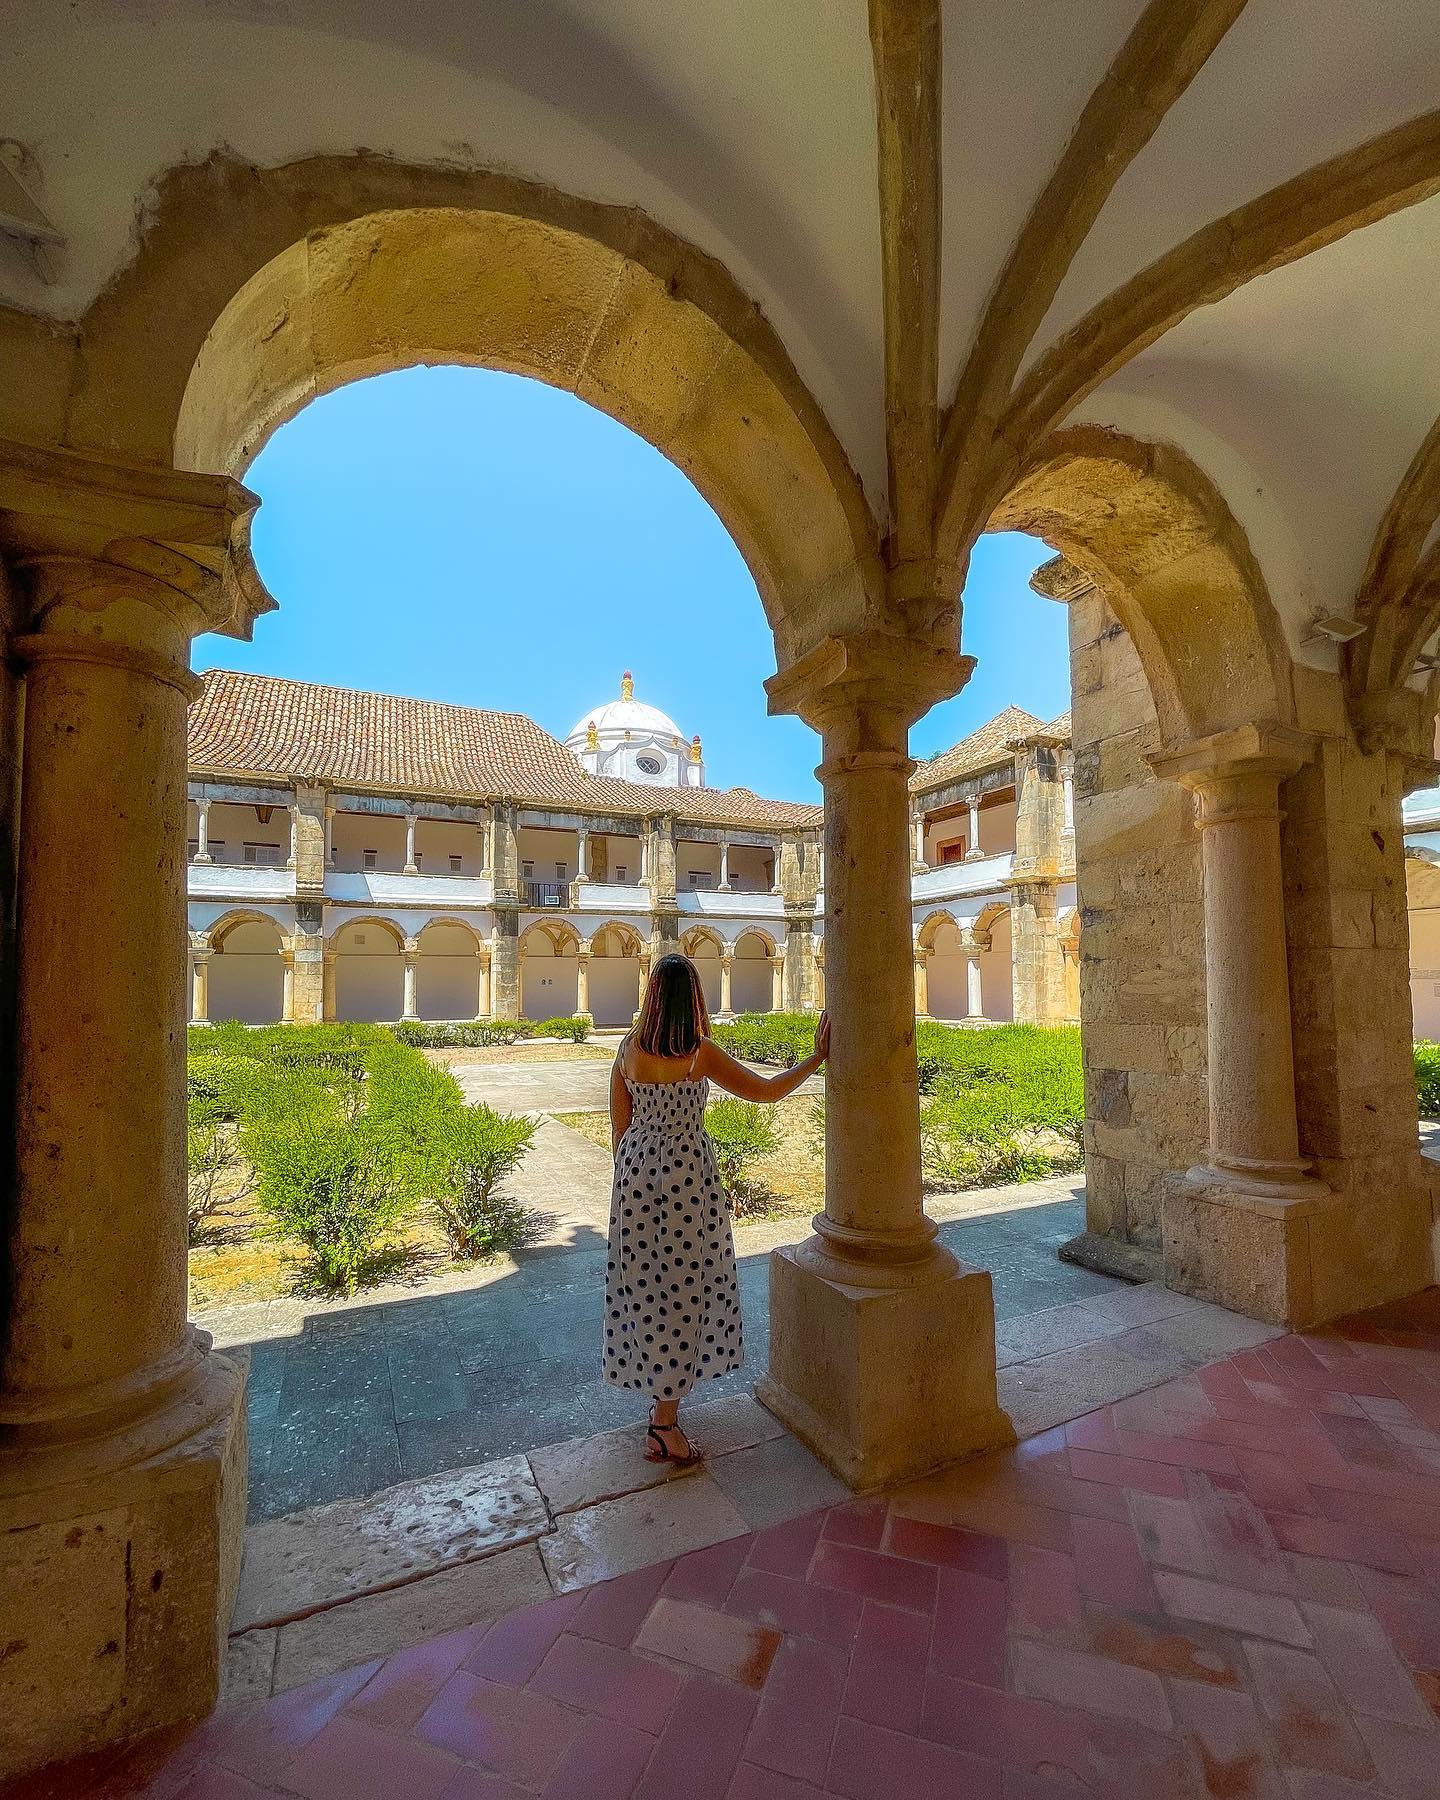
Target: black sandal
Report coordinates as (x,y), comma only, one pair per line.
(663,1453)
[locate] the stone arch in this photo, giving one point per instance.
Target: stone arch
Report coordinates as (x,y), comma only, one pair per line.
(1157,538)
(245,979)
(1422,899)
(705,947)
(751,982)
(278,284)
(368,969)
(616,972)
(549,970)
(990,935)
(447,970)
(925,934)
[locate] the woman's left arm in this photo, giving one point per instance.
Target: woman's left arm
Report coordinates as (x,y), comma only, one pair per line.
(621,1105)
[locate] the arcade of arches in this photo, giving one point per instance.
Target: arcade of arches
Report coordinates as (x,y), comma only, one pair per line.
(1208,382)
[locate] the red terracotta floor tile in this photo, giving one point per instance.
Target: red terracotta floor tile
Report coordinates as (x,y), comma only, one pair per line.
(1361,1662)
(1408,1760)
(795,1719)
(754,1783)
(1093,1431)
(405,1683)
(860,1522)
(471,1783)
(1044,1740)
(258,1741)
(870,1763)
(514,1647)
(507,1731)
(886,1683)
(892,1580)
(1045,1596)
(614,1611)
(830,1615)
(212,1783)
(786,1549)
(708,1574)
(1169,1534)
(1128,1472)
(1230,1742)
(350,1760)
(1109,1566)
(601,1678)
(605,1762)
(700,1749)
(949,1546)
(968,1639)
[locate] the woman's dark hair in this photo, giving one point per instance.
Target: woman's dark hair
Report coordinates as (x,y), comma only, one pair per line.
(673,1014)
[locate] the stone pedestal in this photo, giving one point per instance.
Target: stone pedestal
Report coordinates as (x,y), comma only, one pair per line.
(882,1346)
(122,1435)
(1237,1230)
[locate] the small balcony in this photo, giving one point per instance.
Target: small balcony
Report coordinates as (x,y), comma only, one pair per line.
(545,895)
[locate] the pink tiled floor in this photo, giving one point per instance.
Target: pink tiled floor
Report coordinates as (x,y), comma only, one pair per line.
(1227,1586)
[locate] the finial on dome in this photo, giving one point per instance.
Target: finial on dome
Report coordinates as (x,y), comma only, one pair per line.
(627,686)
(592,737)
(695,748)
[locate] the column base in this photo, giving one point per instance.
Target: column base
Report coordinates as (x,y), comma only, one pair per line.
(883,1383)
(1244,1243)
(119,1576)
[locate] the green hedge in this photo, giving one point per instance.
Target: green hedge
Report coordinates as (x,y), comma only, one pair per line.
(775,1037)
(1427,1077)
(347,1129)
(426,1034)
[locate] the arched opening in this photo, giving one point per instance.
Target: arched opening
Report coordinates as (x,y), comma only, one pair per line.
(993,938)
(247,973)
(549,972)
(704,949)
(948,968)
(616,975)
(369,972)
(1422,896)
(751,985)
(447,974)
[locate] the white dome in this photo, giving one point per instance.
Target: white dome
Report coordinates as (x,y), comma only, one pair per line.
(628,715)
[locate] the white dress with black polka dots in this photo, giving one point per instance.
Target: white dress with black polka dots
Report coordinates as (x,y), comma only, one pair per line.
(672,1302)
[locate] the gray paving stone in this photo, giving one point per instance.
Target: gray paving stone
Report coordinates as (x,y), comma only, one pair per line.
(775,1481)
(328,1554)
(1050,1389)
(629,1533)
(248,1670)
(378,1624)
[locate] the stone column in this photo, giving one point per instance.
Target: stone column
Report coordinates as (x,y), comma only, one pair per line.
(411,866)
(777,983)
(328,850)
(727,963)
(487,840)
(482,1010)
(644,851)
(287,971)
(920,863)
(1037,957)
(582,981)
(582,862)
(202,835)
(800,962)
(882,1346)
(1237,1229)
(973,831)
(724,862)
(412,958)
(327,990)
(505,961)
(922,982)
(305,965)
(974,994)
(122,1435)
(200,986)
(294,812)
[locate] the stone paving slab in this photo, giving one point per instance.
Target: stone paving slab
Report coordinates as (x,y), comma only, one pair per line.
(329,1554)
(689,1513)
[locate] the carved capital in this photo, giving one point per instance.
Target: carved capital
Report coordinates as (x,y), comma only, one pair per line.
(867,688)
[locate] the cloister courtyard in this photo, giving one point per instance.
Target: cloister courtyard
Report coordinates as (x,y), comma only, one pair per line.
(1037,1490)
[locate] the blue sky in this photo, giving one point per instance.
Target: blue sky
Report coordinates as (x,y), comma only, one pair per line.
(459,535)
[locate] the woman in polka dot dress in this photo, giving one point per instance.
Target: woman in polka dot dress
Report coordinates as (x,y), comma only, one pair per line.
(672,1304)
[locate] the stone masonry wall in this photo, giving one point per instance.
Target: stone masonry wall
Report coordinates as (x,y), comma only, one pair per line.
(1142,951)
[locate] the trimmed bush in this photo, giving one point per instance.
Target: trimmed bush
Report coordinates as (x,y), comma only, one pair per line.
(335,1185)
(475,1034)
(741,1132)
(782,1038)
(1427,1077)
(574,1029)
(470,1153)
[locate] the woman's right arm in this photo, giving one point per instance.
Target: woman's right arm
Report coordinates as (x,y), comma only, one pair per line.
(735,1078)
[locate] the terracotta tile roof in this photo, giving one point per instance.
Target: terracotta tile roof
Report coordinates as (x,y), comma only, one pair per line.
(981,750)
(268,726)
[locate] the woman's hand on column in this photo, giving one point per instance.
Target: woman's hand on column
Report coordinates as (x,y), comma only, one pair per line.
(822,1038)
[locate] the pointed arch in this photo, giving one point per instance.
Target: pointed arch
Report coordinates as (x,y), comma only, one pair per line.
(702,934)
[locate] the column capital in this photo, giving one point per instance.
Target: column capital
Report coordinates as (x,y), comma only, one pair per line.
(411,947)
(1206,764)
(83,533)
(868,687)
(201,953)
(727,960)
